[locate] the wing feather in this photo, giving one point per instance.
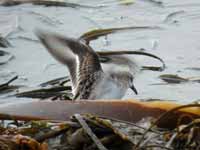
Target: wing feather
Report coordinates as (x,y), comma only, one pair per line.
(80,59)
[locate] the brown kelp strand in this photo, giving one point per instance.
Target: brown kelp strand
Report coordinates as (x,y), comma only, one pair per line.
(185,136)
(157,3)
(6,85)
(5,57)
(165,116)
(48,3)
(59,81)
(171,78)
(104,57)
(193,68)
(96,33)
(170,18)
(53,92)
(175,79)
(4,42)
(127,110)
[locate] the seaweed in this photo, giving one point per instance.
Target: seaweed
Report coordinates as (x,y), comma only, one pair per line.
(47,3)
(58,81)
(62,92)
(4,42)
(6,86)
(175,79)
(5,57)
(86,131)
(96,33)
(104,57)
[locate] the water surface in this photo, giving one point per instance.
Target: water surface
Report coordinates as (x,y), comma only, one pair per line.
(178,43)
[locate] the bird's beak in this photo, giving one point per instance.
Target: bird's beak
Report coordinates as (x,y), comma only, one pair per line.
(134,89)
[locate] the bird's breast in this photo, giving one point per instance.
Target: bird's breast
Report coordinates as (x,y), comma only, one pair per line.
(107,89)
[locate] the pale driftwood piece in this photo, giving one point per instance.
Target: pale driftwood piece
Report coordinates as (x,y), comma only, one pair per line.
(87,129)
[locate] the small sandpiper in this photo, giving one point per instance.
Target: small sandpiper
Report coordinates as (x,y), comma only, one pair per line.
(89,80)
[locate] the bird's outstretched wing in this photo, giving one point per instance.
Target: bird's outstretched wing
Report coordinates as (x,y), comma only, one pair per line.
(80,59)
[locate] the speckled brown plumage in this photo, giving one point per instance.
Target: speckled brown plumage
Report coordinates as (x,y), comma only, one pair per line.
(89,81)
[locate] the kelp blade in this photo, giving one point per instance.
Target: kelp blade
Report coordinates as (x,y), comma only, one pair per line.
(126,110)
(96,33)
